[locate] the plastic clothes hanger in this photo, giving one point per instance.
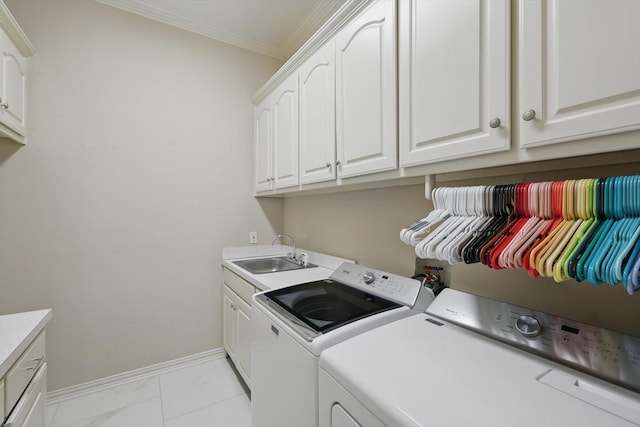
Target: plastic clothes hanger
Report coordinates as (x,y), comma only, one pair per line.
(412,234)
(496,252)
(451,248)
(604,238)
(579,257)
(455,199)
(631,275)
(532,229)
(511,255)
(630,232)
(545,227)
(471,251)
(586,216)
(485,250)
(631,272)
(508,256)
(474,215)
(568,228)
(497,202)
(539,252)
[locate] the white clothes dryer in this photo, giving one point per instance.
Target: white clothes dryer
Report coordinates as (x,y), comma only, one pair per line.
(472,361)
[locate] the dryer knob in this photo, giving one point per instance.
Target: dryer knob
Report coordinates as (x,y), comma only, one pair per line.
(528,326)
(368,277)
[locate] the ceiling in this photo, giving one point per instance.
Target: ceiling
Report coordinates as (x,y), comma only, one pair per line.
(275,28)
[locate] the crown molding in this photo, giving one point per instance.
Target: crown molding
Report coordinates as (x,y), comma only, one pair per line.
(321,12)
(343,15)
(11,27)
(170,18)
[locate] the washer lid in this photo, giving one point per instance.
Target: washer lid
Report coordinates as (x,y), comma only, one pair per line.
(324,305)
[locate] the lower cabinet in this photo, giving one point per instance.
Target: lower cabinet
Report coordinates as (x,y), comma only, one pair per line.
(237,322)
(24,388)
(30,409)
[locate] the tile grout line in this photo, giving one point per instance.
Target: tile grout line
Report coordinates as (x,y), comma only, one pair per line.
(161,401)
(206,406)
(95,416)
(53,418)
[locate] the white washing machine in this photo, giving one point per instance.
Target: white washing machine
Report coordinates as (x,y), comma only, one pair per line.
(292,326)
(473,361)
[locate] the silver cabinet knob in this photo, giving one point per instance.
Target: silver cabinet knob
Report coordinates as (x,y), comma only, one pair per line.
(495,123)
(528,115)
(338,163)
(4,105)
(328,164)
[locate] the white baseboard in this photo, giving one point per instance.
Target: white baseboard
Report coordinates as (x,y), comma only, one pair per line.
(57,396)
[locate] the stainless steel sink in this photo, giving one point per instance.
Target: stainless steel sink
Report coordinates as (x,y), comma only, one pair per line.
(271,265)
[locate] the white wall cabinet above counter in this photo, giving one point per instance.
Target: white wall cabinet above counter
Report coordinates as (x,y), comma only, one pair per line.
(276,138)
(579,69)
(576,74)
(15,47)
(334,116)
(317,116)
(366,105)
(454,79)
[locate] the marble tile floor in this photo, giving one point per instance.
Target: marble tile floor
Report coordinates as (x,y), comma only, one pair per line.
(209,394)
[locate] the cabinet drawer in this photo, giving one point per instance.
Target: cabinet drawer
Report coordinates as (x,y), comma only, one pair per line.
(22,371)
(2,414)
(240,286)
(30,410)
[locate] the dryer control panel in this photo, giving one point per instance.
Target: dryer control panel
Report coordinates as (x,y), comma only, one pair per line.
(600,352)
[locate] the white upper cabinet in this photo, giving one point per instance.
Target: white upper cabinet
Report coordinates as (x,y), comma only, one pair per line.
(316,80)
(285,133)
(276,138)
(579,69)
(263,146)
(454,79)
(13,77)
(366,105)
(15,47)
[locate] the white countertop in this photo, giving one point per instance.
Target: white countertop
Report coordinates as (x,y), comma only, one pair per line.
(326,265)
(16,333)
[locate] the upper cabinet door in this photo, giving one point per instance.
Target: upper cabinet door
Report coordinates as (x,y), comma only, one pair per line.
(263,146)
(14,85)
(454,79)
(285,132)
(366,122)
(578,68)
(316,80)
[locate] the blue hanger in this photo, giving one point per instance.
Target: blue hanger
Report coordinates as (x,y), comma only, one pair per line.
(602,241)
(633,263)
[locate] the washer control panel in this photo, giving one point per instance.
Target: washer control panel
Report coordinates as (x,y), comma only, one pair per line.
(606,354)
(399,289)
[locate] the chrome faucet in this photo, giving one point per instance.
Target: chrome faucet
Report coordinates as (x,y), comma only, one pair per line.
(279,236)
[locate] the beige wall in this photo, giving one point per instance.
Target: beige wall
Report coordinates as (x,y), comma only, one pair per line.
(365,225)
(137,172)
